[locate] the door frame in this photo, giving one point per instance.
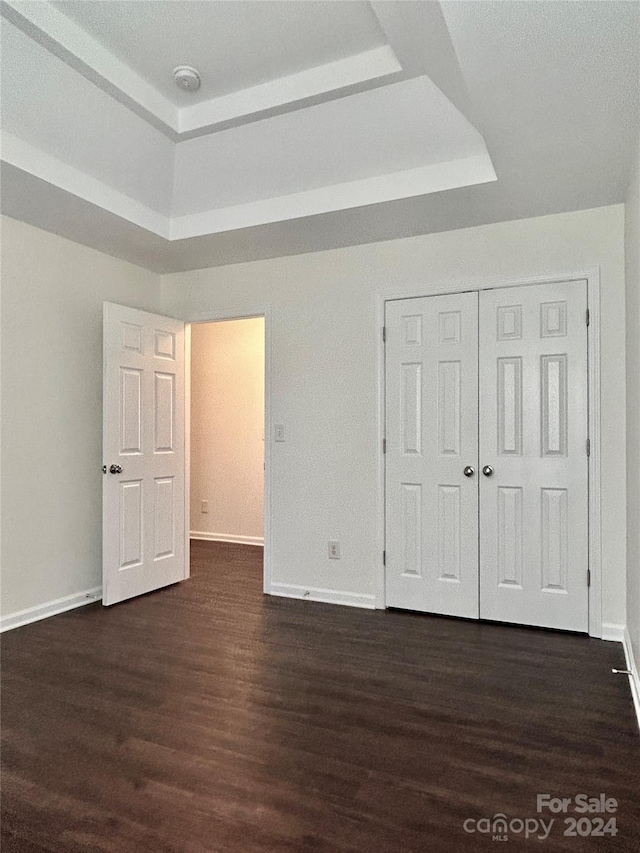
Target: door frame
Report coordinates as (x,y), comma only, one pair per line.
(592,277)
(217,316)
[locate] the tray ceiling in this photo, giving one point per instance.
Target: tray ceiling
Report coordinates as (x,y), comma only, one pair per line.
(234,45)
(321,123)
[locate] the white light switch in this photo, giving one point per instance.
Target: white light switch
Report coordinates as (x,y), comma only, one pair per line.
(279,432)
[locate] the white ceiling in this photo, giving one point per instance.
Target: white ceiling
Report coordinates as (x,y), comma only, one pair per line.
(555,88)
(235,45)
(67,117)
(402,126)
(395,133)
(280,58)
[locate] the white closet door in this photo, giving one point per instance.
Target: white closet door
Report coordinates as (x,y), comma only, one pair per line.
(533,432)
(144,460)
(432,434)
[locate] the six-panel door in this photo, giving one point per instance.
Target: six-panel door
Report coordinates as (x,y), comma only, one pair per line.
(144,422)
(432,435)
(533,432)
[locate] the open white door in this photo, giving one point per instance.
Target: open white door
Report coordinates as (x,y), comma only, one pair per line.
(143,494)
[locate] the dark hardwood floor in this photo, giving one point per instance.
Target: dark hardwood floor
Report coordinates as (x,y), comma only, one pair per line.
(207,717)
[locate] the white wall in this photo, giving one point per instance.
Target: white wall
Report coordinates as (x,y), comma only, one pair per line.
(227,422)
(52,295)
(324,340)
(632,252)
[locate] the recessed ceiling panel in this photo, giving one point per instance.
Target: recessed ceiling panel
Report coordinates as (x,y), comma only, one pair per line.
(403,126)
(234,45)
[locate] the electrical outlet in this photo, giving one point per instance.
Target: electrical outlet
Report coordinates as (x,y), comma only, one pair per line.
(279,432)
(334,549)
(204,506)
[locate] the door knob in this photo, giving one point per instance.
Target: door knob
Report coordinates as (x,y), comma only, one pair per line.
(487,470)
(469,471)
(115,469)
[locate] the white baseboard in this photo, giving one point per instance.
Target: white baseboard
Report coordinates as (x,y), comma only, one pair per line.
(328,596)
(227,537)
(634,678)
(50,608)
(613,632)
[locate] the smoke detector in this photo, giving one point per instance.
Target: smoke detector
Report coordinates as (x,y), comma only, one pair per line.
(187,78)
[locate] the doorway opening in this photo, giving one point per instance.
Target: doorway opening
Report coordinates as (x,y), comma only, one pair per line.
(226,454)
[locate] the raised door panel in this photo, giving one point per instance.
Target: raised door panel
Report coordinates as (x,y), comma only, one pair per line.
(164,344)
(450,532)
(131,533)
(163,412)
(131,383)
(553,404)
(132,337)
(448,398)
(509,405)
(411,542)
(554,540)
(412,329)
(164,522)
(510,546)
(450,327)
(411,408)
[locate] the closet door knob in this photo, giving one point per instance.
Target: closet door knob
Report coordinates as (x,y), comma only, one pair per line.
(487,470)
(115,469)
(469,471)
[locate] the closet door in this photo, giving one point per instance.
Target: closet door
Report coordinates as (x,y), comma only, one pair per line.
(533,431)
(432,436)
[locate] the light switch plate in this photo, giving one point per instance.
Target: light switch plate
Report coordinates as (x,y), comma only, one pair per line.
(279,432)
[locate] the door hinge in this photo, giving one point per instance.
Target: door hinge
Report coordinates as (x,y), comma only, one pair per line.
(384,334)
(384,558)
(588,316)
(588,577)
(384,445)
(588,447)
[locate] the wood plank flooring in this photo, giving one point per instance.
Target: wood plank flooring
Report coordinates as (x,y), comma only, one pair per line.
(208,717)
